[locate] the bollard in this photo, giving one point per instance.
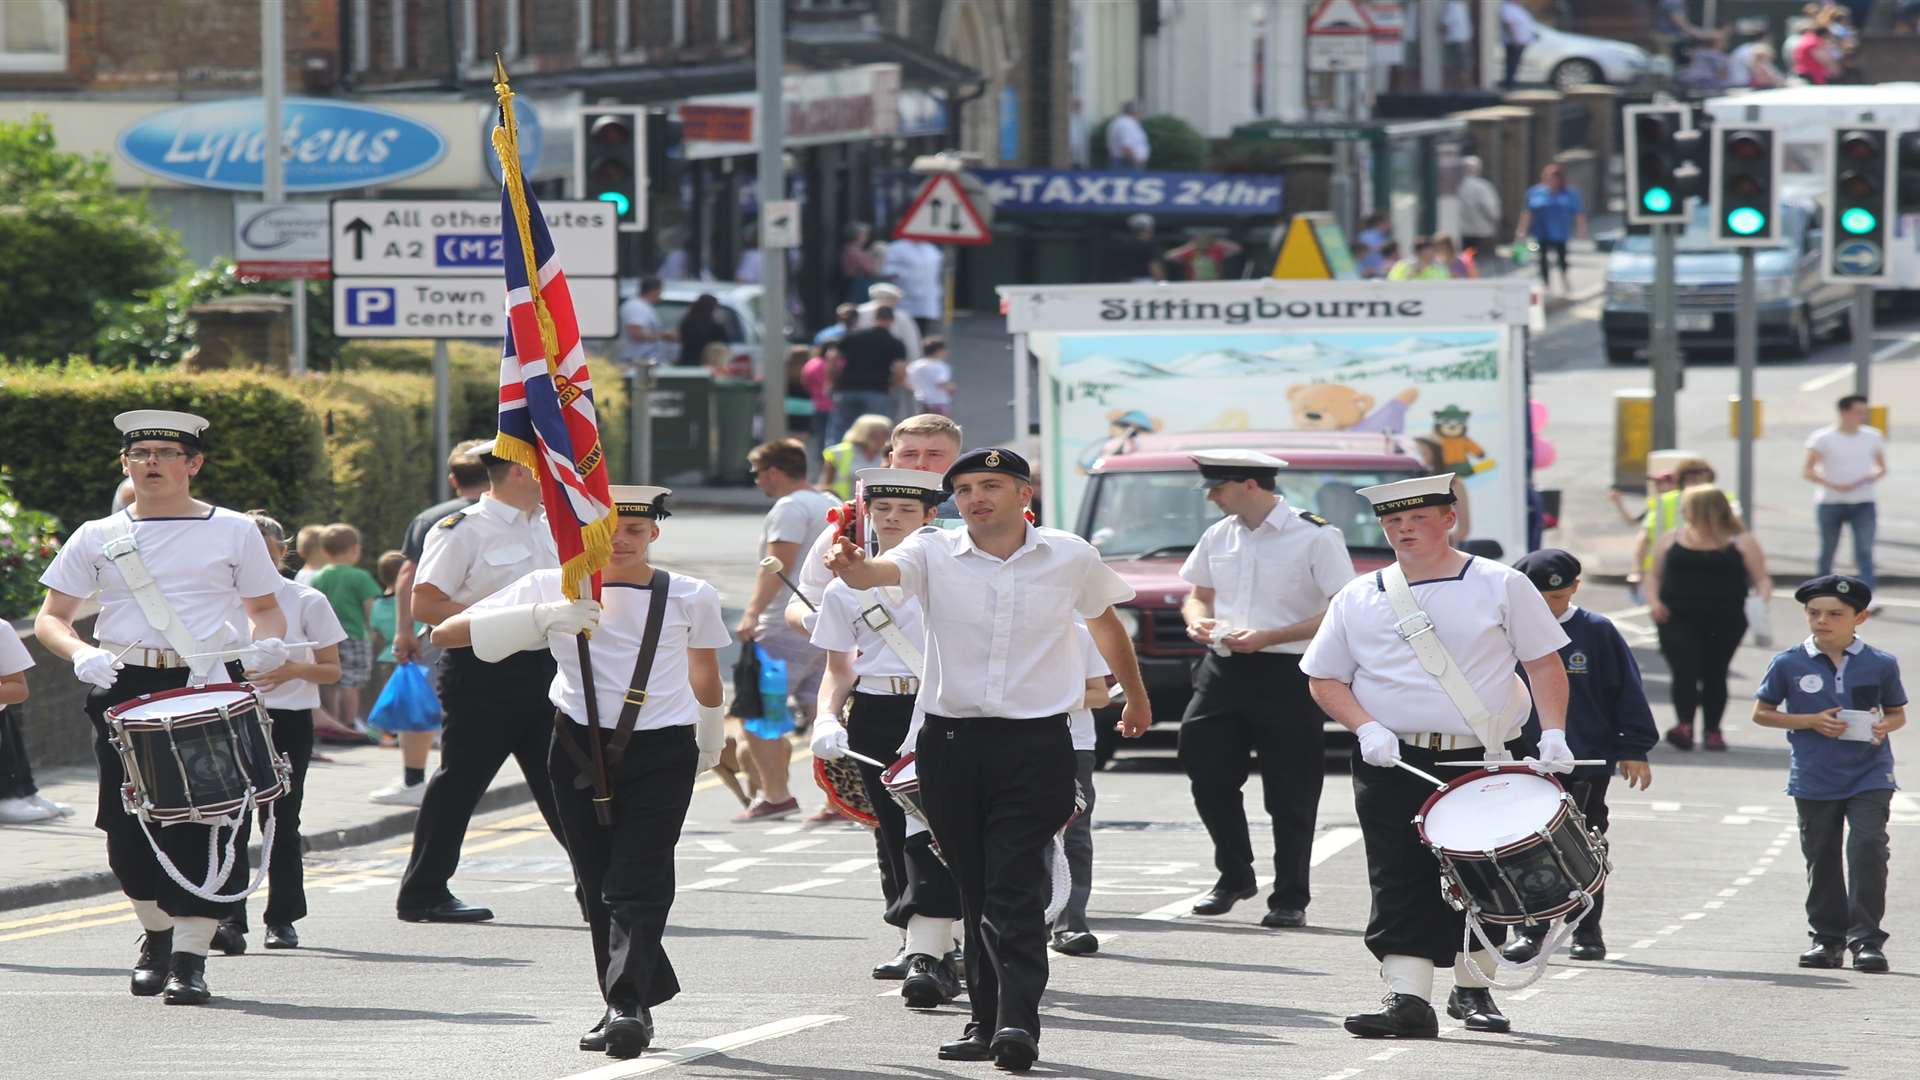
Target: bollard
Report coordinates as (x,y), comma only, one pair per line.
(1632,438)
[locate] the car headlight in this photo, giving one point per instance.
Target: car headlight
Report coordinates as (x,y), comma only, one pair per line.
(1774,288)
(1627,292)
(1130,619)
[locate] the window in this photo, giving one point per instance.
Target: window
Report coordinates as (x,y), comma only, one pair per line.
(583,26)
(33,35)
(362,19)
(679,22)
(469,31)
(397,27)
(511,46)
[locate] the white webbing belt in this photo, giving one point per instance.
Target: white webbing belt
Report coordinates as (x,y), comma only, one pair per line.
(1416,629)
(124,553)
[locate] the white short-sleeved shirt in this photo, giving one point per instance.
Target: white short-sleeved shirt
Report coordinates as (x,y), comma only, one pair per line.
(1000,634)
(1094,666)
(929,378)
(476,552)
(310,617)
(841,629)
(1490,618)
(13,656)
(1279,573)
(635,311)
(798,517)
(692,621)
(204,565)
(1845,459)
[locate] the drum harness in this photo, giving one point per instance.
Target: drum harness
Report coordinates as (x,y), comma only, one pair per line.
(1416,629)
(124,552)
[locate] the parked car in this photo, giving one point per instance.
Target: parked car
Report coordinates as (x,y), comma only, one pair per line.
(1796,305)
(740,313)
(1560,59)
(1144,513)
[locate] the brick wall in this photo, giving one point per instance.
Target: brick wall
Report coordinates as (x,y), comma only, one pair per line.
(53,719)
(199,45)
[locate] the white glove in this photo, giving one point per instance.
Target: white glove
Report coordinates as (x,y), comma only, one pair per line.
(95,665)
(267,654)
(710,735)
(1379,747)
(1555,755)
(566,617)
(497,633)
(829,739)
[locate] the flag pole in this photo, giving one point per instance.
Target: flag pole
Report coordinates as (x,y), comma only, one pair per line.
(506,144)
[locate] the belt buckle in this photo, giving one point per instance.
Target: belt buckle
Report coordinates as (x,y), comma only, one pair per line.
(636,697)
(1425,626)
(902,684)
(1433,742)
(886,619)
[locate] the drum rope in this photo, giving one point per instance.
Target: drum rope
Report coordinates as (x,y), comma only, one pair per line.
(1532,969)
(220,869)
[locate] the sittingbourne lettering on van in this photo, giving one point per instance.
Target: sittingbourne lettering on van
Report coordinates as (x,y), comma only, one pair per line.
(327,145)
(1241,312)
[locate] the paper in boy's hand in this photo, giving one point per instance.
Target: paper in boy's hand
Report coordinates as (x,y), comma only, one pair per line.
(1859,725)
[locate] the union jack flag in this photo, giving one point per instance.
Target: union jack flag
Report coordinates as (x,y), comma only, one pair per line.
(547,421)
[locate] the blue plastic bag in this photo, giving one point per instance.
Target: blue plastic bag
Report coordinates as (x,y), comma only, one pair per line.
(407,702)
(773,721)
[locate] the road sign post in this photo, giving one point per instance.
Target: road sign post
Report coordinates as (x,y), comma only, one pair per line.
(1746,349)
(952,207)
(769,48)
(1663,342)
(442,415)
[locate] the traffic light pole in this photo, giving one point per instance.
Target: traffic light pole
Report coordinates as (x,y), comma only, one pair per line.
(1862,327)
(1664,344)
(770,69)
(640,422)
(1746,351)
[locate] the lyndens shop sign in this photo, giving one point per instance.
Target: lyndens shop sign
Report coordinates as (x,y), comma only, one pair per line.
(328,145)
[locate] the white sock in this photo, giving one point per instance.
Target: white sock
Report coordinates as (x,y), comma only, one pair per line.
(1474,970)
(152,919)
(193,934)
(1408,975)
(929,936)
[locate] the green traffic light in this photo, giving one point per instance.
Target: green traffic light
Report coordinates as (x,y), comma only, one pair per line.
(1858,221)
(1657,200)
(1746,221)
(621,204)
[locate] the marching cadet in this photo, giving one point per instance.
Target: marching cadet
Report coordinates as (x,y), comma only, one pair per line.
(995,755)
(1470,621)
(493,711)
(865,635)
(1071,934)
(655,667)
(199,568)
(1261,576)
(1607,718)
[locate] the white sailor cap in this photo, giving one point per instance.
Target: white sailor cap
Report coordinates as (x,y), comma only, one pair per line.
(1409,494)
(1220,466)
(901,484)
(641,500)
(1667,462)
(483,449)
(183,428)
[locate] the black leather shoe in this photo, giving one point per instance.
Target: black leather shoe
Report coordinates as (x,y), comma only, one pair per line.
(894,969)
(1522,948)
(1075,943)
(595,1040)
(957,960)
(282,937)
(1014,1050)
(1283,919)
(1221,899)
(930,983)
(629,1031)
(1823,956)
(1474,1004)
(971,1046)
(1589,949)
(447,911)
(1404,1017)
(229,938)
(187,981)
(150,970)
(1870,959)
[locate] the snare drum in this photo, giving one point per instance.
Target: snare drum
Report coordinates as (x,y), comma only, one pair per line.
(195,754)
(1513,847)
(846,789)
(902,781)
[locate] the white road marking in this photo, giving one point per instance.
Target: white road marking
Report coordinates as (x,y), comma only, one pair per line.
(1388,1054)
(1764,860)
(706,883)
(1570,973)
(1668,930)
(734,866)
(1729,892)
(1529,992)
(803,886)
(666,1059)
(849,866)
(794,845)
(1325,846)
(785,830)
(1736,819)
(1644,943)
(1756,810)
(1692,915)
(1845,371)
(1343,1074)
(1743,881)
(892,991)
(1756,871)
(715,845)
(1664,807)
(1714,905)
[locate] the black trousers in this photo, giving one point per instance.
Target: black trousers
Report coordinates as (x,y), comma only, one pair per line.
(493,712)
(1245,704)
(625,870)
(996,791)
(1590,795)
(1699,647)
(286,877)
(128,854)
(1845,906)
(912,878)
(1407,916)
(16,769)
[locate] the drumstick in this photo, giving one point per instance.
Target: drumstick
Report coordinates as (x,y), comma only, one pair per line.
(1515,764)
(244,649)
(773,564)
(1434,780)
(865,760)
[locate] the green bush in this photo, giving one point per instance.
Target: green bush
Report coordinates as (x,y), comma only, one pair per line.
(160,329)
(28,541)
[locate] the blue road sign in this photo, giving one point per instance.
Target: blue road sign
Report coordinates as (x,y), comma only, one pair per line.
(467,249)
(1858,257)
(370,306)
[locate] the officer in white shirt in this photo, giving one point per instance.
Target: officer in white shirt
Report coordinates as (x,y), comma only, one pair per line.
(1261,580)
(869,679)
(659,720)
(493,710)
(1071,934)
(213,573)
(1366,674)
(1003,669)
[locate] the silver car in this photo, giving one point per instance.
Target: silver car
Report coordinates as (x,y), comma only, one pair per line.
(1561,60)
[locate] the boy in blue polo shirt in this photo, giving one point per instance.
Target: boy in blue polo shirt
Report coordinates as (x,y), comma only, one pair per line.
(1839,698)
(1607,718)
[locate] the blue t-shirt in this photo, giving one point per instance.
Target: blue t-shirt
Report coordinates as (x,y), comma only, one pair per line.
(1607,712)
(1807,682)
(1553,212)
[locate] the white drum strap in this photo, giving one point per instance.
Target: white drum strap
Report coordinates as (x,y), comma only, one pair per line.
(875,617)
(1531,970)
(219,866)
(1416,629)
(1061,876)
(124,552)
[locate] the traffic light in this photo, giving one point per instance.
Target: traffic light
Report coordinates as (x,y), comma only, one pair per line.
(1746,190)
(1657,181)
(1859,205)
(1907,173)
(608,163)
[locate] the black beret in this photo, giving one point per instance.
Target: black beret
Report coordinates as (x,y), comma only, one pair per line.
(991,459)
(1850,591)
(1549,568)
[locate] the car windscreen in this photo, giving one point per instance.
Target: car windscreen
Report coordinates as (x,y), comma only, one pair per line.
(1698,238)
(672,311)
(1134,514)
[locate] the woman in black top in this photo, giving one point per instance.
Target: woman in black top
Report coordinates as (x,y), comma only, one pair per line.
(1700,579)
(700,327)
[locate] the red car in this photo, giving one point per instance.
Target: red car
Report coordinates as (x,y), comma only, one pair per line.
(1143,511)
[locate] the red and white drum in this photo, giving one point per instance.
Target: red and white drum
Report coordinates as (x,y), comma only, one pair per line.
(1513,847)
(197,753)
(902,781)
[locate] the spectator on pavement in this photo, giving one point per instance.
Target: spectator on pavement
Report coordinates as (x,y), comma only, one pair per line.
(1127,146)
(1815,58)
(1424,266)
(1479,212)
(931,379)
(1517,31)
(747,270)
(1675,34)
(889,295)
(865,447)
(844,318)
(306,544)
(1139,260)
(643,340)
(1554,215)
(915,266)
(699,328)
(1456,43)
(1204,258)
(874,363)
(1698,590)
(352,592)
(817,377)
(20,799)
(1449,256)
(1844,460)
(859,262)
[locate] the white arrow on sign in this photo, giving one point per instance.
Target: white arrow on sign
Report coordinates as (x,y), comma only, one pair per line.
(1858,257)
(943,213)
(462,238)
